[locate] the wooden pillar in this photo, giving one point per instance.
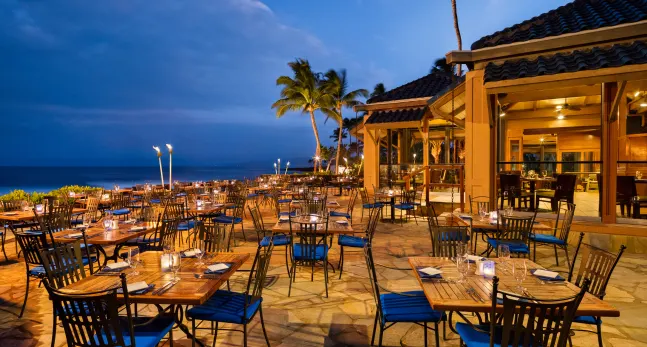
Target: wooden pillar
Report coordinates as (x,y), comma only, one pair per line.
(371,158)
(609,153)
(425,157)
(447,140)
(477,136)
(389,156)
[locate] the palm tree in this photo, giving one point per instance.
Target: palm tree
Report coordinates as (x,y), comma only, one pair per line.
(441,66)
(303,92)
(379,89)
(458,35)
(336,85)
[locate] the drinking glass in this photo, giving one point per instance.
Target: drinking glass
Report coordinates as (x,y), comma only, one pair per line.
(87,220)
(201,248)
(461,249)
(167,247)
(176,259)
(133,259)
(520,273)
(482,212)
(504,254)
(463,266)
(510,210)
(544,173)
(107,222)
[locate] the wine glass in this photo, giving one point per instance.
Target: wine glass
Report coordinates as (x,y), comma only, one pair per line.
(544,173)
(503,251)
(167,247)
(176,260)
(482,213)
(519,269)
(133,259)
(87,220)
(463,266)
(461,249)
(200,248)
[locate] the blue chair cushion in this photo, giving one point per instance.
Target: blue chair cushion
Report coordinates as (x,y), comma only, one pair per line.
(142,240)
(291,214)
(587,320)
(183,226)
(155,201)
(120,212)
(351,241)
(399,308)
(474,338)
(284,201)
(37,271)
(543,238)
(404,206)
(279,240)
(226,306)
(321,251)
(227,219)
(375,205)
(339,214)
(146,335)
(252,195)
(451,236)
(515,247)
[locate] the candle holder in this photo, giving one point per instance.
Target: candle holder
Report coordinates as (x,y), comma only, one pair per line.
(488,268)
(165,262)
(40,208)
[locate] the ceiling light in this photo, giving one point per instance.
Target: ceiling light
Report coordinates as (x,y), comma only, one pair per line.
(636,94)
(643,104)
(502,114)
(560,116)
(541,139)
(558,107)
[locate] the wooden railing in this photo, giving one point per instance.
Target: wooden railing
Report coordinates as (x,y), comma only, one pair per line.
(427,185)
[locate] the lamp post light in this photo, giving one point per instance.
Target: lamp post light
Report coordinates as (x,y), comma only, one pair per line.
(286,167)
(275,171)
(316,160)
(170,168)
(159,158)
(278,172)
(414,158)
(346,163)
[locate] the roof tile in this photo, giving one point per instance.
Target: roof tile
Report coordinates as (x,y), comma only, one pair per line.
(426,86)
(394,116)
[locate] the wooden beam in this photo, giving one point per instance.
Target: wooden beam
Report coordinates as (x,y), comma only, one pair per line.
(392,105)
(616,101)
(548,94)
(541,131)
(439,114)
(609,157)
(459,57)
(393,125)
(550,113)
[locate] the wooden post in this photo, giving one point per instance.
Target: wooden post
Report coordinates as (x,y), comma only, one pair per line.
(425,157)
(461,189)
(389,155)
(609,154)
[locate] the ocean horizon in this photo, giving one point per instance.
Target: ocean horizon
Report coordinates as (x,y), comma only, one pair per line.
(48,178)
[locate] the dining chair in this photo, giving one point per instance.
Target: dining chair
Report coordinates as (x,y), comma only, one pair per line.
(562,229)
(445,239)
(349,209)
(406,205)
(278,239)
(399,307)
(165,234)
(366,201)
(236,216)
(510,188)
(355,241)
(217,237)
(93,319)
(13,206)
(282,207)
(31,242)
(313,205)
(564,190)
(63,266)
(152,216)
(524,322)
(515,232)
(120,204)
(478,203)
(596,267)
(625,192)
(236,308)
(309,245)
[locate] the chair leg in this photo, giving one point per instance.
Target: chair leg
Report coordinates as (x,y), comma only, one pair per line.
(215,336)
(24,304)
(245,335)
(341,260)
(54,327)
(599,334)
(381,333)
(556,257)
(242,228)
(260,311)
(326,275)
(568,260)
(534,251)
(425,334)
(374,327)
(193,332)
(287,266)
(437,335)
(291,280)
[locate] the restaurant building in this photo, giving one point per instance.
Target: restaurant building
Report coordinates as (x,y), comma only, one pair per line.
(561,94)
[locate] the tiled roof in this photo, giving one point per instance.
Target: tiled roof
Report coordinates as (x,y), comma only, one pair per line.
(576,16)
(447,89)
(393,116)
(426,86)
(589,59)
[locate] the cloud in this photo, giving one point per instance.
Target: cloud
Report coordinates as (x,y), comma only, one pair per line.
(251,6)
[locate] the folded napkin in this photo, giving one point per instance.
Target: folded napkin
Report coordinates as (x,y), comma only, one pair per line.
(191,253)
(465,216)
(284,218)
(342,222)
(116,266)
(74,235)
(131,221)
(137,228)
(137,288)
(430,272)
(217,268)
(546,275)
(474,258)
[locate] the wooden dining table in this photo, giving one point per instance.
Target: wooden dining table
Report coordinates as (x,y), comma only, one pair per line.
(97,236)
(336,225)
(207,209)
(193,288)
(533,185)
(475,221)
(23,216)
(447,294)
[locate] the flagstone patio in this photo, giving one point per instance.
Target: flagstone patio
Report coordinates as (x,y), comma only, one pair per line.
(307,318)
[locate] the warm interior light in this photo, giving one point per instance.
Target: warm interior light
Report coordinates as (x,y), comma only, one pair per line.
(560,116)
(559,107)
(541,139)
(502,114)
(636,94)
(643,104)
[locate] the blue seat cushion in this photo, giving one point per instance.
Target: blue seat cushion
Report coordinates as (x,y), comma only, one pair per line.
(155,201)
(416,308)
(515,247)
(226,306)
(252,195)
(37,271)
(320,252)
(279,240)
(404,206)
(291,214)
(543,238)
(227,219)
(146,335)
(284,201)
(142,240)
(120,212)
(186,225)
(351,241)
(339,214)
(474,338)
(587,320)
(375,205)
(451,236)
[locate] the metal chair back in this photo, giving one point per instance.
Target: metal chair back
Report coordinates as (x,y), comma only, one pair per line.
(480,202)
(596,265)
(445,240)
(314,206)
(12,205)
(63,264)
(515,228)
(258,274)
(432,217)
(217,237)
(308,236)
(31,243)
(563,221)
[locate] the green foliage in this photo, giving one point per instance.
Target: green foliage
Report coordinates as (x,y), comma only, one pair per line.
(37,197)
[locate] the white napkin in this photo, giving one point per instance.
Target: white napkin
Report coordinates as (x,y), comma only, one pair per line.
(431,271)
(192,253)
(133,287)
(137,228)
(217,267)
(119,265)
(474,257)
(332,202)
(546,273)
(342,222)
(284,218)
(75,235)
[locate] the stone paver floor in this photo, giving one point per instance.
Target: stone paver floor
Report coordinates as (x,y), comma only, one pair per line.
(346,317)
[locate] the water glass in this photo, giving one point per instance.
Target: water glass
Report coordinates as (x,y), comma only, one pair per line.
(461,249)
(463,265)
(201,248)
(167,247)
(544,173)
(176,259)
(503,251)
(107,222)
(482,213)
(133,259)
(520,273)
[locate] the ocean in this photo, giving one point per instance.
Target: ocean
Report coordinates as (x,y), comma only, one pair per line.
(45,179)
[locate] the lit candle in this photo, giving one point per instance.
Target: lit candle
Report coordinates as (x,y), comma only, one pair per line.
(170,164)
(488,268)
(165,262)
(286,167)
(159,158)
(40,208)
(278,172)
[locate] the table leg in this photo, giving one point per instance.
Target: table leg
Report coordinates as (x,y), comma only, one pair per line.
(533,196)
(178,314)
(393,209)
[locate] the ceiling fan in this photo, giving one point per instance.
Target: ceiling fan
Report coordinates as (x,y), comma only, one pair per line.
(566,106)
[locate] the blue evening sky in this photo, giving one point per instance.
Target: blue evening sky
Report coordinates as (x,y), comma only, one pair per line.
(99,82)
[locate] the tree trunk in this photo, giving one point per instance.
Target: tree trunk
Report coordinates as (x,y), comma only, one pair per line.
(316,131)
(339,139)
(458,35)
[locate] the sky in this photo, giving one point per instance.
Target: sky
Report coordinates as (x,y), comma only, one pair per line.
(100,82)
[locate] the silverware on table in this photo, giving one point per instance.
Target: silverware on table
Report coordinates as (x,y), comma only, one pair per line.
(472,292)
(167,287)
